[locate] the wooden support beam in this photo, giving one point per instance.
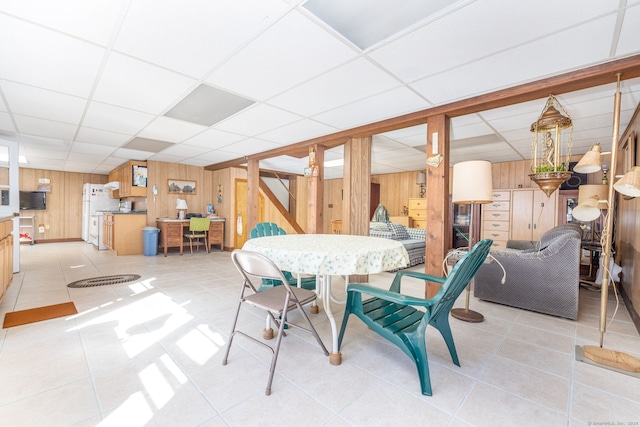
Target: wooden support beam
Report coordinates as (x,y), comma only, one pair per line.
(315,216)
(438,224)
(357,191)
(253,198)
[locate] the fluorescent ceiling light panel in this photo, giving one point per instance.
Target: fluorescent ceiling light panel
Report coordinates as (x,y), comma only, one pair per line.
(207,106)
(145,144)
(367,22)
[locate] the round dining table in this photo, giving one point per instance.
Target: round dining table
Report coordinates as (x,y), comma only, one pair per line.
(327,255)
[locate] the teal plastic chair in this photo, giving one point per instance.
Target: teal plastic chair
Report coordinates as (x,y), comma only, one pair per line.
(270,229)
(393,316)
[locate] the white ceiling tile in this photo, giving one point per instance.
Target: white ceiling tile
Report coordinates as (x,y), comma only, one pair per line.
(101,137)
(130,83)
(44,104)
(125,153)
(217,156)
(47,128)
(196,161)
(46,58)
(291,51)
(171,130)
(213,138)
(85,158)
(87,148)
(426,51)
(477,129)
(191,37)
(169,158)
(6,124)
(115,119)
(520,65)
(411,131)
(80,166)
(385,105)
(45,162)
(348,83)
(299,131)
(256,120)
(90,20)
(250,146)
(183,150)
(629,42)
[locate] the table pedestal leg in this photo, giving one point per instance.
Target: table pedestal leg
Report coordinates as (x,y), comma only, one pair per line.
(335,357)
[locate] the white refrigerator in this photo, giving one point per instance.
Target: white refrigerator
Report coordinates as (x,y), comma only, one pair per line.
(95,197)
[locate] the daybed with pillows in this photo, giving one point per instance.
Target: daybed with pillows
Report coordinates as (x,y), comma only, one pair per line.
(541,276)
(413,239)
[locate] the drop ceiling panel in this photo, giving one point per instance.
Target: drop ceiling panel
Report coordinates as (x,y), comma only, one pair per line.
(125,153)
(130,83)
(44,104)
(218,156)
(290,52)
(471,41)
(214,138)
(183,150)
(6,124)
(46,162)
(191,37)
(468,131)
(348,83)
(101,137)
(115,119)
(89,20)
(250,146)
(100,150)
(630,32)
(47,59)
(46,128)
(257,119)
(171,130)
(298,131)
(377,107)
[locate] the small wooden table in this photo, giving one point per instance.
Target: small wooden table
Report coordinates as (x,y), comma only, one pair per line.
(172,233)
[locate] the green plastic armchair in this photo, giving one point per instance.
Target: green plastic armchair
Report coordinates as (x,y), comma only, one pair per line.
(393,316)
(270,229)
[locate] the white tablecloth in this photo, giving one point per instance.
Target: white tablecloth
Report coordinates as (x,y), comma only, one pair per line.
(331,254)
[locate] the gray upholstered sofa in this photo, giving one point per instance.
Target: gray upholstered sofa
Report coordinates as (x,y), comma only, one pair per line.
(413,239)
(544,278)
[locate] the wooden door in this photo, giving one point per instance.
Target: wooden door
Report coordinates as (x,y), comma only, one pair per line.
(521,214)
(544,213)
(239,226)
(375,199)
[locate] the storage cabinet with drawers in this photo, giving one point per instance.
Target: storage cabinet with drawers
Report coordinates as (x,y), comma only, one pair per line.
(496,219)
(418,212)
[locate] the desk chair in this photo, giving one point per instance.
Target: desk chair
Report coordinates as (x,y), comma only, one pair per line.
(392,315)
(276,301)
(198,229)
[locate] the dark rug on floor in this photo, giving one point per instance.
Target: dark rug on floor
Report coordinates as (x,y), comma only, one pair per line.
(16,318)
(104,280)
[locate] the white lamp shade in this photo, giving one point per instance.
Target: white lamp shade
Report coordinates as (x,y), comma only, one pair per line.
(587,211)
(629,184)
(421,178)
(590,162)
(472,182)
(181,204)
(588,191)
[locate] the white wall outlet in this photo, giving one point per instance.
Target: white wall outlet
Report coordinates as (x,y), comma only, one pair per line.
(41,229)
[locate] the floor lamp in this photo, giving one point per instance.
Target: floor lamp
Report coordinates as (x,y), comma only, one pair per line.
(629,186)
(472,184)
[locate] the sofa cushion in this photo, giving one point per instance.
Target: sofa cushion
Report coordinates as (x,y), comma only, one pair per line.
(398,230)
(378,226)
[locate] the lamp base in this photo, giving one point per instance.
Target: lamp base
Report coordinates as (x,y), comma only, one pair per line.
(467,315)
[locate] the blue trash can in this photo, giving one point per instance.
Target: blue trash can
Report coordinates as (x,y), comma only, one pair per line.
(150,240)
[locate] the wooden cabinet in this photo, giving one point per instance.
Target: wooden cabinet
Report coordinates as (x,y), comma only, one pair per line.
(518,214)
(216,234)
(6,255)
(172,233)
(123,233)
(123,174)
(533,213)
(418,212)
(496,219)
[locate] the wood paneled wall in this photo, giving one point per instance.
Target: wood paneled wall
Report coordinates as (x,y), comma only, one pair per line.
(63,217)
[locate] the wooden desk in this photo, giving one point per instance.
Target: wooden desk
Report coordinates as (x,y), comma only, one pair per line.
(172,233)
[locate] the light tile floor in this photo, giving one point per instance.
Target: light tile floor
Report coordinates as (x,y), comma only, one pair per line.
(148,353)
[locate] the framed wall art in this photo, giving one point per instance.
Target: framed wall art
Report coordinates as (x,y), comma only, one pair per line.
(181,186)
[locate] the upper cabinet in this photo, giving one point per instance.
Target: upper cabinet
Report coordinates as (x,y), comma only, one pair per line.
(132,177)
